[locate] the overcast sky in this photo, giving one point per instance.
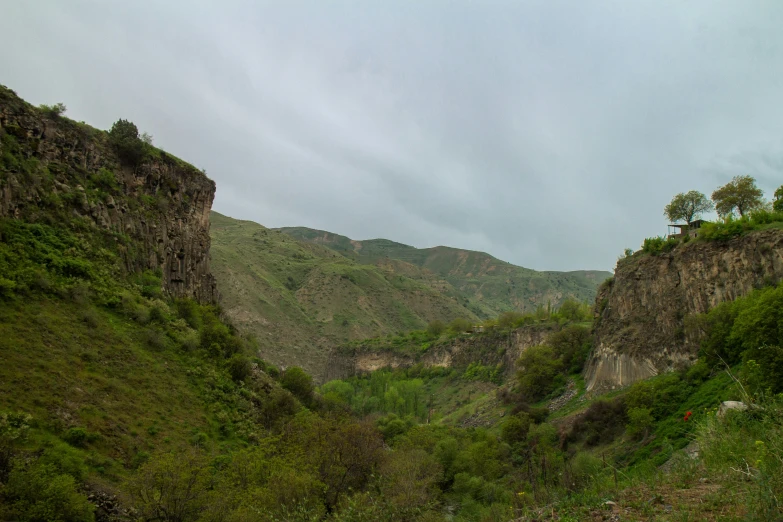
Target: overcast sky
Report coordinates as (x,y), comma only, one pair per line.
(548,133)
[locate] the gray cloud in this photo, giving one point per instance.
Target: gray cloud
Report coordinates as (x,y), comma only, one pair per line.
(550,134)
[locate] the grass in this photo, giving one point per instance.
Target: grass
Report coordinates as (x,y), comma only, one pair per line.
(486,285)
(302,299)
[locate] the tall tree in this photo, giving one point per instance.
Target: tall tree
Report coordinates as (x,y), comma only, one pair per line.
(777,204)
(740,194)
(687,206)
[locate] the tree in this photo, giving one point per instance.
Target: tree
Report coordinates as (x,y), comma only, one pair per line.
(435,328)
(124,135)
(740,194)
(298,382)
(686,206)
(172,486)
(539,372)
(53,111)
(777,204)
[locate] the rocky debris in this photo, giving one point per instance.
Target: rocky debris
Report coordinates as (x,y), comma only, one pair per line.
(167,231)
(109,509)
(640,329)
(726,406)
(568,394)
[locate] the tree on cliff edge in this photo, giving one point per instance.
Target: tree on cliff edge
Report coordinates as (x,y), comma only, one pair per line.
(687,206)
(740,194)
(124,136)
(777,203)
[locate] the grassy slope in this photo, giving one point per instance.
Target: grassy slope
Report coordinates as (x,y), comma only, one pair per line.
(103,377)
(300,299)
(491,286)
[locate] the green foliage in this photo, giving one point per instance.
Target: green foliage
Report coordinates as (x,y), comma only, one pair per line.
(777,203)
(744,452)
(640,421)
(436,328)
(460,325)
(740,194)
(731,226)
(687,206)
(298,382)
(37,492)
(478,372)
(124,136)
(747,329)
(539,372)
(53,111)
(659,245)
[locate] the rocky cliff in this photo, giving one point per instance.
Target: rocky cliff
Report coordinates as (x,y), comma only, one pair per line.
(641,316)
(489,349)
(53,169)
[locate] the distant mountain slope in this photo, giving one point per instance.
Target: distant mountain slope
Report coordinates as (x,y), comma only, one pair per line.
(490,286)
(300,299)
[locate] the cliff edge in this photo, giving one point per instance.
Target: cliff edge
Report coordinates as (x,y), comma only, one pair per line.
(53,169)
(640,325)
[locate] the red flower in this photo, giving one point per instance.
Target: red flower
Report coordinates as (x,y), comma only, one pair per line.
(687,415)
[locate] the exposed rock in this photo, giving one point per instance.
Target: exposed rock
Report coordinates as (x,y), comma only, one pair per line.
(169,229)
(640,328)
(726,406)
(488,348)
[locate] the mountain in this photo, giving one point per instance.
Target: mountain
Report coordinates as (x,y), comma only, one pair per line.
(489,285)
(300,299)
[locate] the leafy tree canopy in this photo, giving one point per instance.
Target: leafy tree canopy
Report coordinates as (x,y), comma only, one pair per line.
(740,194)
(686,206)
(777,203)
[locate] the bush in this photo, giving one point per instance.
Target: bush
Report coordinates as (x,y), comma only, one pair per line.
(640,420)
(539,372)
(659,245)
(76,437)
(460,325)
(238,367)
(299,383)
(601,423)
(436,328)
(37,492)
(53,111)
(124,136)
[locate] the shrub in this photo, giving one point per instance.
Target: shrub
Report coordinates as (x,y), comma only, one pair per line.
(299,383)
(640,420)
(238,367)
(124,136)
(37,492)
(436,328)
(459,325)
(601,423)
(76,437)
(659,245)
(539,372)
(53,111)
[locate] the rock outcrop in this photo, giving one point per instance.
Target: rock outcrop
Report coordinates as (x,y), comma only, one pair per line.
(641,316)
(54,169)
(489,349)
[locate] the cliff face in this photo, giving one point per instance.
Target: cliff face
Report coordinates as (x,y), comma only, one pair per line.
(490,349)
(54,169)
(640,330)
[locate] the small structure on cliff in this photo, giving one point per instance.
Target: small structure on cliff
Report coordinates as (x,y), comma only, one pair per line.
(691,229)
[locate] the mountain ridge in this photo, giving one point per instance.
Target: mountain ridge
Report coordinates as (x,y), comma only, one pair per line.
(479,276)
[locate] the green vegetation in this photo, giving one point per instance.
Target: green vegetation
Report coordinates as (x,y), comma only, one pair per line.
(777,204)
(311,298)
(53,111)
(485,285)
(740,194)
(687,206)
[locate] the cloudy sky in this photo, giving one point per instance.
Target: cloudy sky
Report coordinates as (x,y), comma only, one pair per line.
(547,133)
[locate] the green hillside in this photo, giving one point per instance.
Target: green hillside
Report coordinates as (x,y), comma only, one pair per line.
(300,299)
(490,286)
